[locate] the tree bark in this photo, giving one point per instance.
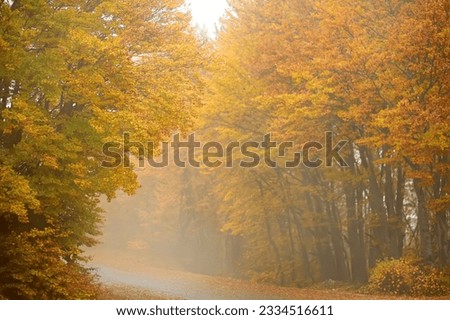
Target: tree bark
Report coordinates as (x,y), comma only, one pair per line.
(423,224)
(378,219)
(337,243)
(358,264)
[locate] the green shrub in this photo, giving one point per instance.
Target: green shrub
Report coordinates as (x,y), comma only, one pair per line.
(403,277)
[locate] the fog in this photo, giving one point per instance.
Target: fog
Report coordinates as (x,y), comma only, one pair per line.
(160,226)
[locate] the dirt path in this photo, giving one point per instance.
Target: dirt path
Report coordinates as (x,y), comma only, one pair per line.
(130,276)
(184,285)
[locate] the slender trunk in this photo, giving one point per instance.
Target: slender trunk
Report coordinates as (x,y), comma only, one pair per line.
(360,214)
(441,220)
(400,194)
(423,224)
(357,253)
(272,243)
(394,215)
(320,229)
(292,247)
(326,255)
(306,266)
(378,219)
(337,243)
(291,215)
(442,237)
(355,228)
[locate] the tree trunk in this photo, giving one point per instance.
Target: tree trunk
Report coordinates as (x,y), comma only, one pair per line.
(272,243)
(355,229)
(441,220)
(378,218)
(357,253)
(423,224)
(337,243)
(400,194)
(394,206)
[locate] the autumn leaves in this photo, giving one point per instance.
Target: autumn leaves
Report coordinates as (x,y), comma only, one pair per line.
(82,73)
(77,75)
(375,74)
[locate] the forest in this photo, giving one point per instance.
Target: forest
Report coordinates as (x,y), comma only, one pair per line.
(78,74)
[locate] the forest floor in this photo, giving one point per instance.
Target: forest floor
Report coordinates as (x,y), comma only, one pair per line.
(130,278)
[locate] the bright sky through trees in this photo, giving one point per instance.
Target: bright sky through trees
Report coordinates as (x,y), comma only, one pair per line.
(206,13)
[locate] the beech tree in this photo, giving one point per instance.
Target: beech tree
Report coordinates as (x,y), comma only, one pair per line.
(374,74)
(73,76)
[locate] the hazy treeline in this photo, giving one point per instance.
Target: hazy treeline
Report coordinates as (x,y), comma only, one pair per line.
(376,74)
